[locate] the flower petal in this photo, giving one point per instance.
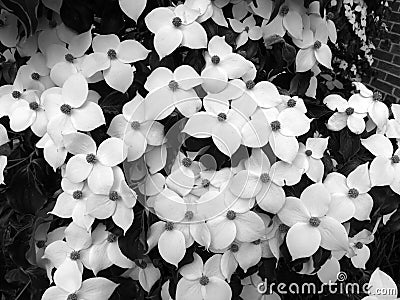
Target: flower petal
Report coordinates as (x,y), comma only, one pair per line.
(194,36)
(68,276)
(361,257)
(80,120)
(316,199)
(341,208)
(227,138)
(324,56)
(193,270)
(271,198)
(363,207)
(294,24)
(79,143)
(359,179)
(333,234)
(337,121)
(171,246)
(78,169)
(356,123)
(167,39)
(305,59)
(378,145)
(130,51)
(381,171)
(123,217)
(249,227)
(303,240)
(112,152)
(96,288)
(223,232)
(102,43)
(188,288)
(158,18)
(284,147)
(100,179)
(75,90)
(119,76)
(159,103)
(217,289)
(294,211)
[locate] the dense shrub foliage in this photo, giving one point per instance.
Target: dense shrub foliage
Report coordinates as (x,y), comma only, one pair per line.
(205,149)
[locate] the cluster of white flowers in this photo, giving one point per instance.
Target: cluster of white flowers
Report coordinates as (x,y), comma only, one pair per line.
(356,13)
(194,203)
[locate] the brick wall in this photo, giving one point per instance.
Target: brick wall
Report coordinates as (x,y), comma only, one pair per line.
(387,58)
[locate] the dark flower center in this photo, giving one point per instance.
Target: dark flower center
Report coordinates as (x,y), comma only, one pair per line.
(205,183)
(215,59)
(186,162)
(111,238)
(308,152)
(231,215)
(358,245)
(91,158)
(317,45)
(135,125)
(189,215)
(173,85)
(250,84)
(34,106)
(234,248)
(75,255)
(169,226)
(284,10)
(69,57)
(77,195)
(330,15)
(265,178)
(40,244)
(72,297)
(395,159)
(291,103)
(35,76)
(113,196)
(204,280)
(177,22)
(349,111)
(66,109)
(314,221)
(377,96)
(247,28)
(16,94)
(283,228)
(257,242)
(275,125)
(353,193)
(222,117)
(112,54)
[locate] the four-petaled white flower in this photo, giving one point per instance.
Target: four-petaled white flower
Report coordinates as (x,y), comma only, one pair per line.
(93,163)
(349,195)
(311,223)
(203,281)
(114,57)
(247,29)
(135,129)
(175,26)
(169,90)
(346,114)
